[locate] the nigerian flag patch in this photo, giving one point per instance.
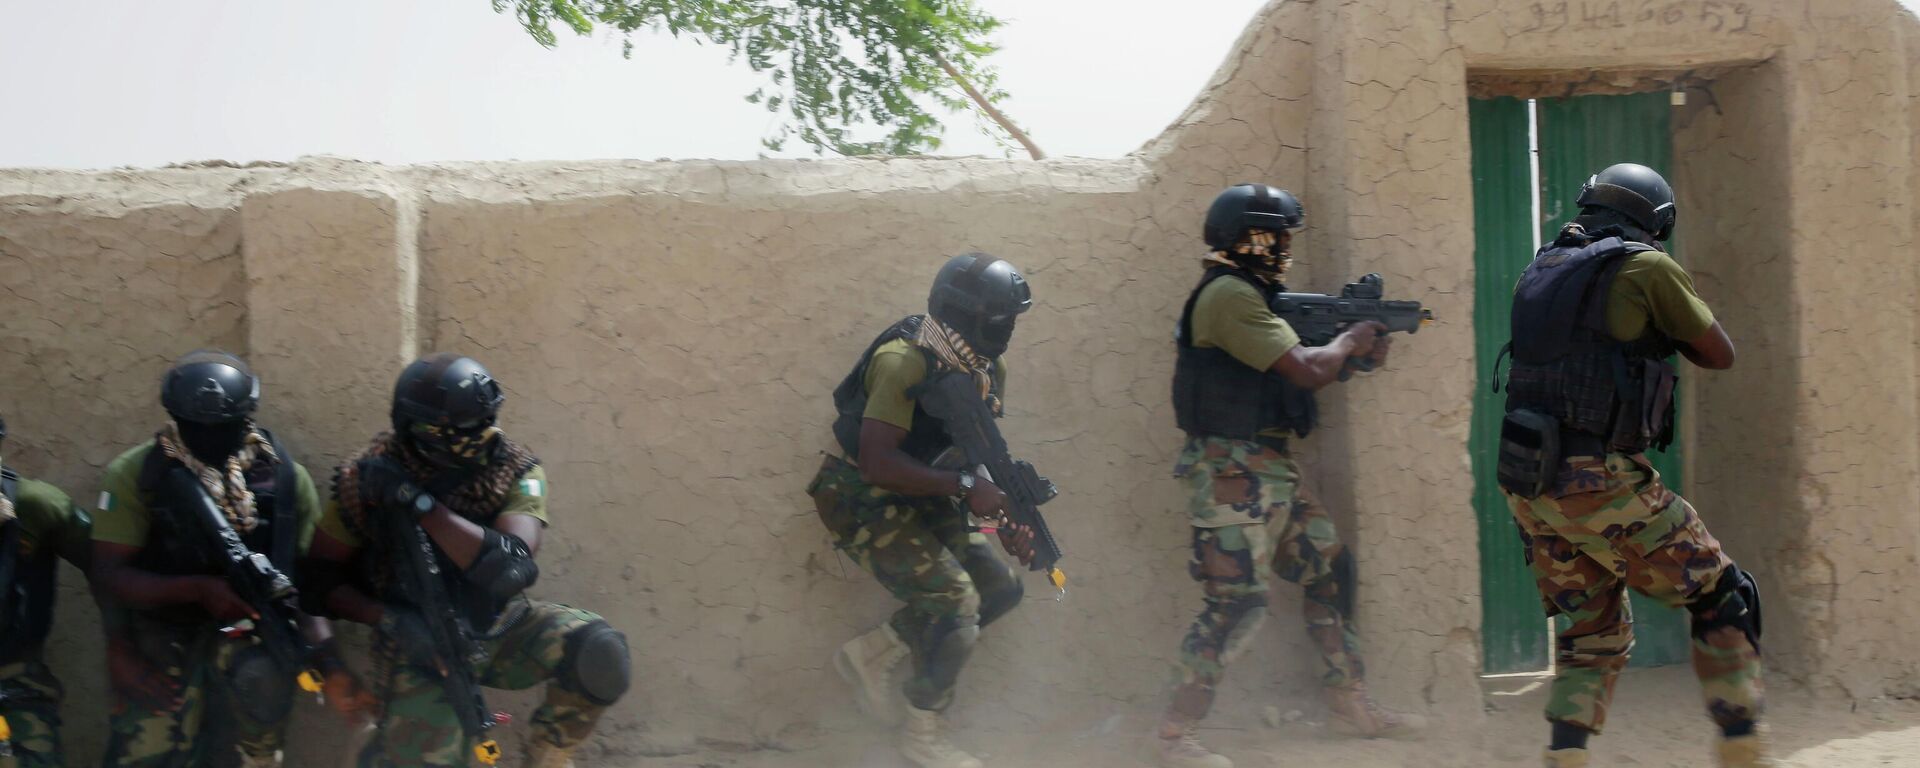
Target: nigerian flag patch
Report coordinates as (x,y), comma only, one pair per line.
(106,502)
(533,487)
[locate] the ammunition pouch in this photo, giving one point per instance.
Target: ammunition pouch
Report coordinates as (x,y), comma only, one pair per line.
(1529,453)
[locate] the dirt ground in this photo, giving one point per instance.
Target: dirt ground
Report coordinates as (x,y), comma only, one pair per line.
(1657,722)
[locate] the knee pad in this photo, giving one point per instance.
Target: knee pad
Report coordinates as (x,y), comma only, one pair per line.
(258,688)
(1732,601)
(596,664)
(1346,578)
(999,586)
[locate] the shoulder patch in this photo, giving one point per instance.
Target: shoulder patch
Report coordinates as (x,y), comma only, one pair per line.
(533,487)
(106,502)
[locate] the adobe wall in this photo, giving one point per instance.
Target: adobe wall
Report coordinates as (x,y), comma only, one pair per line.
(668,334)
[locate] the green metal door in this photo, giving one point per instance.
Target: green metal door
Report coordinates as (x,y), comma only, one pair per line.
(1576,136)
(1513,629)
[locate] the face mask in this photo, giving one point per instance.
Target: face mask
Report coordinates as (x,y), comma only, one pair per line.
(213,443)
(995,334)
(465,445)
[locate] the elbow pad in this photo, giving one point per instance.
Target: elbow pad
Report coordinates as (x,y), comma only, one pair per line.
(504,567)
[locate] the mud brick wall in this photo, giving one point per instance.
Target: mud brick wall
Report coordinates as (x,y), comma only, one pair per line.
(668,333)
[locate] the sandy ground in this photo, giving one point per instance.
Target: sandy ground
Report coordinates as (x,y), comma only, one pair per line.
(1656,722)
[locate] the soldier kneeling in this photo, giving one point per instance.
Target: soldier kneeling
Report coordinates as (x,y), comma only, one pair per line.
(430,538)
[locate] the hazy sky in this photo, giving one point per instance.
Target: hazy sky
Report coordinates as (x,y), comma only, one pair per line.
(128,82)
(134,82)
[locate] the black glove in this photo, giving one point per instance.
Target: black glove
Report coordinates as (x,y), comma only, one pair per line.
(410,635)
(384,484)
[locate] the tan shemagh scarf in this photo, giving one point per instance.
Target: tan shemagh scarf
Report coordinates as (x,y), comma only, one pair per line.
(1258,243)
(228,485)
(954,353)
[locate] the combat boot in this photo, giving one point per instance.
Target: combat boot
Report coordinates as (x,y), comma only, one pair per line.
(1566,758)
(866,662)
(540,754)
(268,760)
(1351,712)
(1184,750)
(924,742)
(1748,751)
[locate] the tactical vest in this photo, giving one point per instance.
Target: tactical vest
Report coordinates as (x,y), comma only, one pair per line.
(176,545)
(1216,395)
(26,587)
(1604,392)
(928,436)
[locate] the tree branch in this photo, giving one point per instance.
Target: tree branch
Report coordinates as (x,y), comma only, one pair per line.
(999,117)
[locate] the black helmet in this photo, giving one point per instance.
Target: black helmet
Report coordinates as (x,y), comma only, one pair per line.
(1636,192)
(446,405)
(209,387)
(446,390)
(979,296)
(1250,205)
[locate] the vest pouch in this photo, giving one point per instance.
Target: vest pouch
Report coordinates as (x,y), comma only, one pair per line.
(1529,453)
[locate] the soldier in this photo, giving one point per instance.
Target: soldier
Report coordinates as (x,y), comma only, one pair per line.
(38,524)
(177,668)
(1242,382)
(1601,306)
(904,519)
(481,500)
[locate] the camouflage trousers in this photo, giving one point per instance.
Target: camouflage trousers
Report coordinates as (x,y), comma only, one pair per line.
(921,550)
(30,701)
(418,725)
(1609,525)
(150,734)
(1252,520)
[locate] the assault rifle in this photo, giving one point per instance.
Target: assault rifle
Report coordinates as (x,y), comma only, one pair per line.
(416,572)
(255,579)
(954,398)
(1318,317)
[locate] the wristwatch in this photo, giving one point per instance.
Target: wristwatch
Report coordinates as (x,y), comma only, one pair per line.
(966,484)
(420,502)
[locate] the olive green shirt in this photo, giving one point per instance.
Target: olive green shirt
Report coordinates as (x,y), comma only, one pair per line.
(49,522)
(896,368)
(122,516)
(529,497)
(1231,314)
(1652,288)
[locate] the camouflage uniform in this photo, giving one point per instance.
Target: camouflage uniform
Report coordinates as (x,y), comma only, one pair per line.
(920,549)
(30,701)
(49,528)
(1251,517)
(526,645)
(164,735)
(1609,525)
(418,726)
(181,643)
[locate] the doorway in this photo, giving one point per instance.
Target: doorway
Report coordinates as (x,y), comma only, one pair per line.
(1530,158)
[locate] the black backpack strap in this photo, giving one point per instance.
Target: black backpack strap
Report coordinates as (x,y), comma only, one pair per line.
(1506,351)
(153,469)
(286,503)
